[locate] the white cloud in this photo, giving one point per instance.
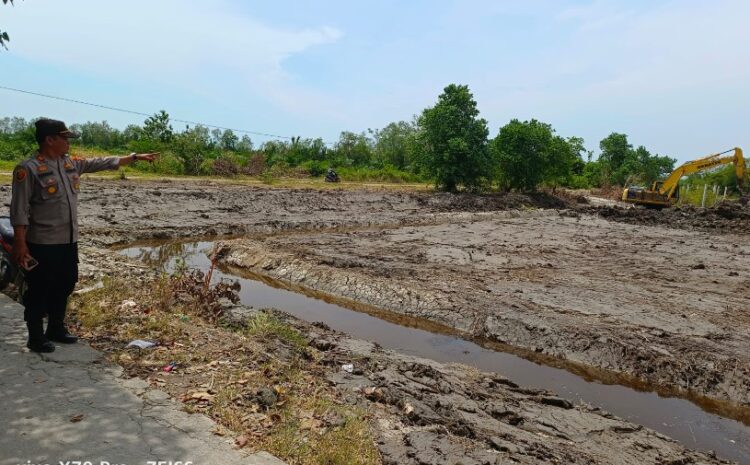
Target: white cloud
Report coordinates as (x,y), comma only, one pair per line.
(201,47)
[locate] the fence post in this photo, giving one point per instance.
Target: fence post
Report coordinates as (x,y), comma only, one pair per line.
(725,192)
(705,191)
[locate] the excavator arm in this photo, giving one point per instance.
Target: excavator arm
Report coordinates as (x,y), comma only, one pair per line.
(663,192)
(670,184)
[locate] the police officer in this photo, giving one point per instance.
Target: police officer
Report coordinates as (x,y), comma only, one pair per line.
(44,214)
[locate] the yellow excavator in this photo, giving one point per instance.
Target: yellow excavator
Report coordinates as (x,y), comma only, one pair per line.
(666,193)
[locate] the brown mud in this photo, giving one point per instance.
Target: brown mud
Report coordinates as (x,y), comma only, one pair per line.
(618,297)
(660,300)
(725,217)
(120,211)
(425,412)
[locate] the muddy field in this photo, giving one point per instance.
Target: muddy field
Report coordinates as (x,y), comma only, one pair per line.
(118,211)
(639,296)
(664,305)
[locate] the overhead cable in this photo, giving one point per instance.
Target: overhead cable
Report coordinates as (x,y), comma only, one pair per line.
(132,112)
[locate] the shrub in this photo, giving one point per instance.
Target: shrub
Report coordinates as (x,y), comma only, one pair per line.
(315,168)
(225,166)
(256,165)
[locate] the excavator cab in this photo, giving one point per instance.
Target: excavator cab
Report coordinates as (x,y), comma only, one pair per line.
(649,198)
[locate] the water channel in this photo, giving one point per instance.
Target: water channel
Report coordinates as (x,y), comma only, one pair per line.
(677,418)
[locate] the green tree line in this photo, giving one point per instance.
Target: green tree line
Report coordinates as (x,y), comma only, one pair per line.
(448,144)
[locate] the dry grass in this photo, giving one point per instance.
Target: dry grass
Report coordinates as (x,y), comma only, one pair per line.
(267,326)
(260,383)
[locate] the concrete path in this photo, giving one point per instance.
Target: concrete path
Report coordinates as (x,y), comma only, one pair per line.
(121,421)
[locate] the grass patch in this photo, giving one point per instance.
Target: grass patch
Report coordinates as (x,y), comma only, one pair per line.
(695,196)
(309,437)
(8,165)
(221,372)
(268,326)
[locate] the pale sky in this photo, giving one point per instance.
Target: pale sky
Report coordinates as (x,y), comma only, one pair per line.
(673,75)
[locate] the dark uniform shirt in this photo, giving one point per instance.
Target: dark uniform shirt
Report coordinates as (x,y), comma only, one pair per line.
(45,196)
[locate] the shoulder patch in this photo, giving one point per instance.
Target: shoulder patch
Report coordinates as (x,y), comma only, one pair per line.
(21,174)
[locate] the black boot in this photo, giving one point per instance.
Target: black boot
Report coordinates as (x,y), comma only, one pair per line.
(59,333)
(56,330)
(37,341)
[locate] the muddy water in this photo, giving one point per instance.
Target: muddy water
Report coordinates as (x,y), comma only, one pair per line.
(674,417)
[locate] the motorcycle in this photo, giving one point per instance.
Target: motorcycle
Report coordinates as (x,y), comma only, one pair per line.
(331,176)
(10,272)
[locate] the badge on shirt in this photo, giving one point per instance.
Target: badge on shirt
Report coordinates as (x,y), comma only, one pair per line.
(41,169)
(51,185)
(68,166)
(21,174)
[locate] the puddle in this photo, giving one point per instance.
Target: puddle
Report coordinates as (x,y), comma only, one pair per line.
(677,418)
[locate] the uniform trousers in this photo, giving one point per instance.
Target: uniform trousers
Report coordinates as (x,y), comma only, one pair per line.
(49,285)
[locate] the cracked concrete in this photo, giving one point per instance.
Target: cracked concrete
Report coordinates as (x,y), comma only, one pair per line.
(72,406)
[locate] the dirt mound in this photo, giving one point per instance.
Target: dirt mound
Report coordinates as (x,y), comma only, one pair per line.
(728,217)
(492,202)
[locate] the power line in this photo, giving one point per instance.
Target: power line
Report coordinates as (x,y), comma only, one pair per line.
(132,112)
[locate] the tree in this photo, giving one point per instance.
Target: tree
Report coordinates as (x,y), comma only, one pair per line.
(563,161)
(99,135)
(615,151)
(245,144)
(353,149)
(17,138)
(228,140)
(654,167)
(132,132)
(392,144)
(454,141)
(191,147)
(4,38)
(157,127)
(529,153)
(521,152)
(620,164)
(275,151)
